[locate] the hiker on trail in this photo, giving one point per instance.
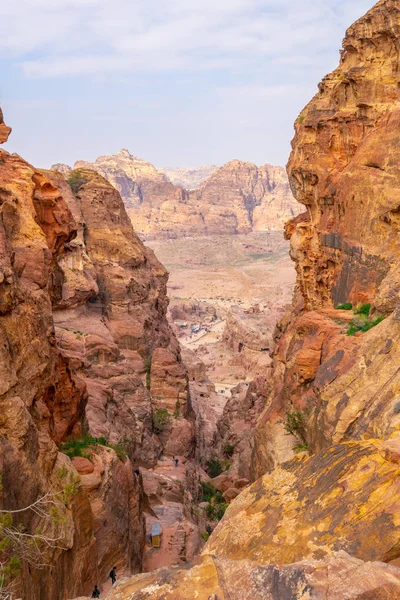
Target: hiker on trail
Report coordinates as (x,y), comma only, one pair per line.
(176,461)
(96,592)
(137,472)
(113,575)
(209,529)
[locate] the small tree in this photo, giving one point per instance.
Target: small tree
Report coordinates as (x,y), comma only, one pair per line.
(214,467)
(17,545)
(161,420)
(76,180)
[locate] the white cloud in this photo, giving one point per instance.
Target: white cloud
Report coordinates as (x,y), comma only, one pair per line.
(53,38)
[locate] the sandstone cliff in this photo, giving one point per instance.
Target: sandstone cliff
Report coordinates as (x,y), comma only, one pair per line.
(87,354)
(41,403)
(237,198)
(334,384)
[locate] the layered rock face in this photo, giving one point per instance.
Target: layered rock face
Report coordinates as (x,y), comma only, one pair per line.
(237,198)
(41,403)
(86,345)
(332,394)
(346,245)
(344,168)
(110,317)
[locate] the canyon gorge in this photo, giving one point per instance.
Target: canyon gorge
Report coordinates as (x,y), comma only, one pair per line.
(249,407)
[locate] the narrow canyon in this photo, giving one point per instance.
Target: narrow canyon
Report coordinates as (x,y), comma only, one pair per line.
(223,424)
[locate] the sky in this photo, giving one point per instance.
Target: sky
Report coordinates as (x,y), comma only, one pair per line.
(177,82)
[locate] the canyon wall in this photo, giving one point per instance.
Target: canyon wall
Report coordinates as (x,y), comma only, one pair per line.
(87,354)
(326,448)
(236,198)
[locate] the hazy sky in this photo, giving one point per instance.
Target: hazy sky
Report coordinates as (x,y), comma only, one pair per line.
(177,82)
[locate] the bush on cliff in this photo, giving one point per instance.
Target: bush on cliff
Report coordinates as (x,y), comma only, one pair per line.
(75,181)
(294,422)
(214,467)
(363,326)
(363,309)
(161,420)
(215,512)
(345,306)
(229,450)
(81,447)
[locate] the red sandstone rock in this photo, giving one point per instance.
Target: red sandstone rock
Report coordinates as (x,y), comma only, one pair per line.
(4,130)
(231,494)
(82,465)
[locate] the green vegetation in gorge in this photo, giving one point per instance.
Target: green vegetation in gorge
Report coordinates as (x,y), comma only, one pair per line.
(75,181)
(82,447)
(161,420)
(216,507)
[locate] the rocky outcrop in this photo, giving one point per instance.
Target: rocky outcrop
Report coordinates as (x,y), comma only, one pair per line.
(309,509)
(237,198)
(344,169)
(4,129)
(338,577)
(41,403)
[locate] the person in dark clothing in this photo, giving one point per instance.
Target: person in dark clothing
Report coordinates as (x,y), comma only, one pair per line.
(176,461)
(209,529)
(96,592)
(113,575)
(137,472)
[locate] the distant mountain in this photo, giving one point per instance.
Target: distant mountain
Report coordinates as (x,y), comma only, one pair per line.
(190,178)
(237,198)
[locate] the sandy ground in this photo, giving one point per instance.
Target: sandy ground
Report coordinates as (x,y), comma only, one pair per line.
(224,272)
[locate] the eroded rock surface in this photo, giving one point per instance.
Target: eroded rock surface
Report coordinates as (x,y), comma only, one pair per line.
(340,577)
(236,198)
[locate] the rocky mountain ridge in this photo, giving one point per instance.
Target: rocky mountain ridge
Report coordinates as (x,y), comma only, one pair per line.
(236,198)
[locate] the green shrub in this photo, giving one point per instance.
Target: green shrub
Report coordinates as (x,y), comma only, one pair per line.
(119,450)
(300,119)
(345,306)
(220,510)
(177,410)
(215,512)
(210,512)
(161,420)
(229,450)
(75,181)
(363,326)
(363,309)
(214,467)
(208,491)
(205,536)
(81,447)
(300,448)
(294,422)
